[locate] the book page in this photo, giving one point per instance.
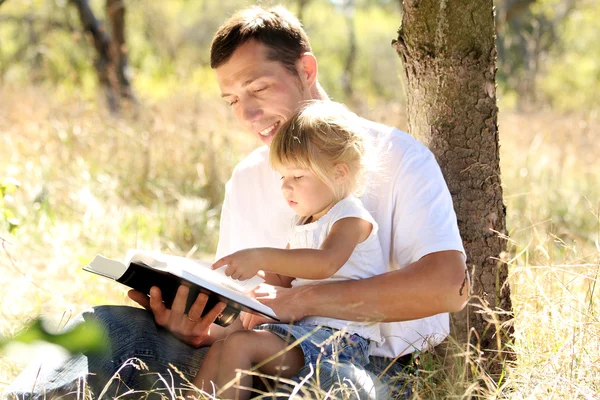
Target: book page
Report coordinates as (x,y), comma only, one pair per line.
(199,268)
(101,265)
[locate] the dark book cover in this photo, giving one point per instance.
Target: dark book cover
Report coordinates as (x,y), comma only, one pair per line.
(141,278)
(144,270)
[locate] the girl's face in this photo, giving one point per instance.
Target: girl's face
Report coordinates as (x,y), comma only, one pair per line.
(306,193)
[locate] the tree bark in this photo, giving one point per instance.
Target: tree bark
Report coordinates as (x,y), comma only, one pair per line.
(115,11)
(449,56)
(111,62)
(104,59)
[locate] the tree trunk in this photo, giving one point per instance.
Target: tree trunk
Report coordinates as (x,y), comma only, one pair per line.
(449,58)
(111,62)
(104,58)
(115,11)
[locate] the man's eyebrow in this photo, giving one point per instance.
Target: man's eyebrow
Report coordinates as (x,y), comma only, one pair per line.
(246,83)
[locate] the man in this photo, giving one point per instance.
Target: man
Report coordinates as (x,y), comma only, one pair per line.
(265,70)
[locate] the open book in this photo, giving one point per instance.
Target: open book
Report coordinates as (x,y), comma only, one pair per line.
(141,270)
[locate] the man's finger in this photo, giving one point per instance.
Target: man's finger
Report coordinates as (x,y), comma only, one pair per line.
(161,314)
(140,298)
(198,307)
(210,317)
(178,306)
(264,291)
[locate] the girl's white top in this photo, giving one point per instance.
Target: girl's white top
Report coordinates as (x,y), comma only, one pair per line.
(365,261)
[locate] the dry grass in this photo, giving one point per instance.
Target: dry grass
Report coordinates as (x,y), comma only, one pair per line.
(92,183)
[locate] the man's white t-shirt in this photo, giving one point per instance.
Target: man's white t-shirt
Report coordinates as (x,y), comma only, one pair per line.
(407,196)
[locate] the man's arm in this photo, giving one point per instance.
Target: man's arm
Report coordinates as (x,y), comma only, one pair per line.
(436,283)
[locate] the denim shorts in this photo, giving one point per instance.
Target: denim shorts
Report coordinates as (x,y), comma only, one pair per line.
(323,344)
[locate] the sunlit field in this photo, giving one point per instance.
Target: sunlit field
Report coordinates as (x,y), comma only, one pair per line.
(154,177)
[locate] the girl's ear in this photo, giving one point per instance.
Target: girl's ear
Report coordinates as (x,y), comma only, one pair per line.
(342,173)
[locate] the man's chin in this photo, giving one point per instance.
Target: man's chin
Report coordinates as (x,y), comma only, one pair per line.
(266,139)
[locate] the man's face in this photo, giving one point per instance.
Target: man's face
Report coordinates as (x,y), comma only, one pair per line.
(262,93)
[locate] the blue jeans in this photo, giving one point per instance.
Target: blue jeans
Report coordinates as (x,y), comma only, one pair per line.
(134,339)
(325,351)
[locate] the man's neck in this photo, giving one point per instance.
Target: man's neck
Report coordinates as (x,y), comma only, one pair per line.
(318,93)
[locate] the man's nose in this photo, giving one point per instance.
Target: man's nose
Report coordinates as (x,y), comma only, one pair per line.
(251,111)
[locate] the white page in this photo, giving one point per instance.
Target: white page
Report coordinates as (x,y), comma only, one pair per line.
(228,292)
(112,269)
(177,265)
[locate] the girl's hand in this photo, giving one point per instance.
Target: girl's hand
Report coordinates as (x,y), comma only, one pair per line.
(249,320)
(246,319)
(241,265)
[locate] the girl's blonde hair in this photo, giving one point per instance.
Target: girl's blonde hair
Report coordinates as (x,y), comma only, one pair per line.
(320,135)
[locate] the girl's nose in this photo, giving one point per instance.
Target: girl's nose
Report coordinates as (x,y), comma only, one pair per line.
(285,186)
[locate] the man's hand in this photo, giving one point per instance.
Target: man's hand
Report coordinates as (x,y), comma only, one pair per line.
(191,328)
(241,265)
(286,302)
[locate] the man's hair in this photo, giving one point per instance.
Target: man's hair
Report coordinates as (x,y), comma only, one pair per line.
(276,28)
(318,136)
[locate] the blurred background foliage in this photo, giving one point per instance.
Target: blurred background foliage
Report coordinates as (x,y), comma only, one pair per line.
(548,52)
(168,43)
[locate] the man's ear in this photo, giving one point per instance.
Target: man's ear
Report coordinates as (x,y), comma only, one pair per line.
(307,68)
(342,173)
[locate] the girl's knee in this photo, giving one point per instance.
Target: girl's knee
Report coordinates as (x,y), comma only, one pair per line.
(240,341)
(215,348)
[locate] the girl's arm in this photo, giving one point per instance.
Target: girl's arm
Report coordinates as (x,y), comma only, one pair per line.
(321,263)
(278,280)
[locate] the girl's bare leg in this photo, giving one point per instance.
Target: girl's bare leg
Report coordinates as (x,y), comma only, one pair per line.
(244,349)
(208,372)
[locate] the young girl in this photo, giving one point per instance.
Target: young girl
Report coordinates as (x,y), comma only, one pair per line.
(321,155)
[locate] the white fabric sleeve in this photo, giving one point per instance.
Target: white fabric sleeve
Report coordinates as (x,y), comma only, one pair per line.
(424,221)
(225,228)
(351,207)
